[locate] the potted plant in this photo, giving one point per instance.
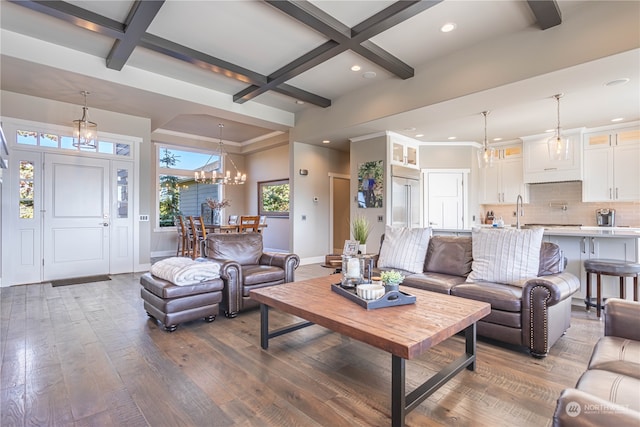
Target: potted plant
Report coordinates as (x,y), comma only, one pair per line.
(360,228)
(391,280)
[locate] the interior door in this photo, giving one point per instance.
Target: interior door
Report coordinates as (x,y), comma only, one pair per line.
(445,200)
(341,230)
(76,217)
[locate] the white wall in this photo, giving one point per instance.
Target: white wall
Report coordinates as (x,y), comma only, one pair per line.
(268,165)
(367,151)
(311,236)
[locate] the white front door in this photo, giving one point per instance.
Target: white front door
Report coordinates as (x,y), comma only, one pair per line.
(77,216)
(445,200)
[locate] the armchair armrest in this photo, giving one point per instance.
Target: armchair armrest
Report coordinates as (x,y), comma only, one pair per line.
(573,409)
(540,327)
(621,318)
(557,287)
(231,274)
(288,262)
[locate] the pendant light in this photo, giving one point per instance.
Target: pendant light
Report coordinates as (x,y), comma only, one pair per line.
(221,177)
(486,154)
(85,132)
(557,145)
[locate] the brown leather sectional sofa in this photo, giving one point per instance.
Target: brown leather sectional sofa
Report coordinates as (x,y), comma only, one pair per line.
(534,315)
(608,393)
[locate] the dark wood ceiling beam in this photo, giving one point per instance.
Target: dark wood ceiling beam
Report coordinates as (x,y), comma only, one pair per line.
(136,24)
(77,16)
(547,13)
(210,63)
(341,38)
(202,60)
(302,95)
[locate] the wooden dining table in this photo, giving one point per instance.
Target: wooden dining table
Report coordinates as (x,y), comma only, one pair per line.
(228,228)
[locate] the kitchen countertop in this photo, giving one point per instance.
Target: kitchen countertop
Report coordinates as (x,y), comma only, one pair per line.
(585,231)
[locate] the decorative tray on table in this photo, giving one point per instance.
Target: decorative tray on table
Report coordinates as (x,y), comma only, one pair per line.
(390,299)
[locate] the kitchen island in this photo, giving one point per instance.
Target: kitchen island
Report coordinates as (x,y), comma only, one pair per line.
(580,243)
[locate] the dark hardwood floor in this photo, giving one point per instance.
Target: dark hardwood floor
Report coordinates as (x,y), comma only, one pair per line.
(88,355)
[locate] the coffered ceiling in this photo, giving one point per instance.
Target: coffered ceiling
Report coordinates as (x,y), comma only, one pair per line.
(259,66)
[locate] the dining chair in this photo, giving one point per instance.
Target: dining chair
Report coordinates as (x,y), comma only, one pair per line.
(249,223)
(262,223)
(199,235)
(184,238)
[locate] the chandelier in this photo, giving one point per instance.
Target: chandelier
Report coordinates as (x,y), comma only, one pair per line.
(218,176)
(486,154)
(85,132)
(557,145)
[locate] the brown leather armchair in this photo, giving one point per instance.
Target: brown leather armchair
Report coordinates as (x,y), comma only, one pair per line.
(245,266)
(608,392)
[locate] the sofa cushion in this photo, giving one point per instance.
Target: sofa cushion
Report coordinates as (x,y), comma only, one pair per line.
(617,354)
(505,255)
(244,248)
(610,386)
(551,259)
(256,274)
(449,255)
(404,248)
(435,282)
(500,296)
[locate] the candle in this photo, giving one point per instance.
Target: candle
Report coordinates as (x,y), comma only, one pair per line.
(353,268)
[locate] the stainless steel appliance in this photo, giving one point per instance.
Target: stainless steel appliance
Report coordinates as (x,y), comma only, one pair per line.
(605,217)
(405,197)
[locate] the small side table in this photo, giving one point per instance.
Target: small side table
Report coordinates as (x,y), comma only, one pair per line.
(609,267)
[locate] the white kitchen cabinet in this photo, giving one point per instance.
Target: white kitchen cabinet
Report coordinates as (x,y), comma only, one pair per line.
(577,249)
(403,153)
(503,182)
(611,160)
(538,166)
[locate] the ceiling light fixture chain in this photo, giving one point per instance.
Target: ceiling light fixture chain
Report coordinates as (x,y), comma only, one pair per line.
(557,145)
(486,155)
(218,176)
(85,132)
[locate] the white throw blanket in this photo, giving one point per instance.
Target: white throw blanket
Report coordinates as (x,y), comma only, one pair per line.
(185,271)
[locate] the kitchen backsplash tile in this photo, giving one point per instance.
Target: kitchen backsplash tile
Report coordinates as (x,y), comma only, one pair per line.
(546,202)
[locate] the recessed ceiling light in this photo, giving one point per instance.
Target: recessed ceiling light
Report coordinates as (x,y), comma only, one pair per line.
(325,141)
(550,130)
(451,138)
(409,129)
(419,135)
(617,119)
(497,139)
(369,74)
(356,68)
(617,82)
(299,102)
(448,27)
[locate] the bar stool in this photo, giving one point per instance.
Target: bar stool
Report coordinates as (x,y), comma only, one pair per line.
(609,267)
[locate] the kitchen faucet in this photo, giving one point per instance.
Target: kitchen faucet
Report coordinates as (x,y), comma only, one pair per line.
(519,202)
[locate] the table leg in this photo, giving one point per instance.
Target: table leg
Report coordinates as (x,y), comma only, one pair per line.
(264,326)
(402,403)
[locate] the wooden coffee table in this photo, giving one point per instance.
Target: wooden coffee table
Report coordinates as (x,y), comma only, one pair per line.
(405,331)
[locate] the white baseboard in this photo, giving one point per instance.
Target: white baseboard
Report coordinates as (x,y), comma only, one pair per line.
(312,260)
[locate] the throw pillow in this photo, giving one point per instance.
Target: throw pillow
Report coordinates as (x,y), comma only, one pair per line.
(505,255)
(404,248)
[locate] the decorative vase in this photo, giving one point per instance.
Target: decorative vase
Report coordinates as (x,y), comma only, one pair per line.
(352,271)
(391,286)
(216,217)
(362,249)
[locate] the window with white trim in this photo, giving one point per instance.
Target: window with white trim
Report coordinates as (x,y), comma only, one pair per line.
(179,193)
